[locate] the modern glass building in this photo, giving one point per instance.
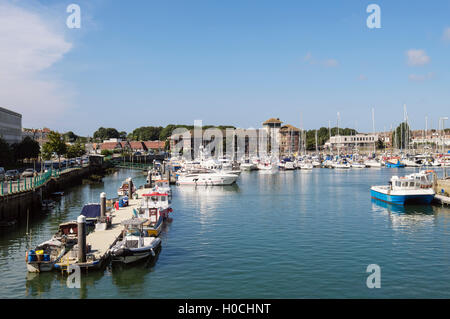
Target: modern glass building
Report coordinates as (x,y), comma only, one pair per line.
(10,126)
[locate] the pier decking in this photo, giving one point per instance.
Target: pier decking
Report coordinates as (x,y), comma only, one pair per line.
(101,241)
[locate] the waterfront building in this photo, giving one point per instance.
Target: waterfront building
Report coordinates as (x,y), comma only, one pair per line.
(289,137)
(10,126)
(272,127)
(352,141)
(39,135)
(111,146)
(155,146)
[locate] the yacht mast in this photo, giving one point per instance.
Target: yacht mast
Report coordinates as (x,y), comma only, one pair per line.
(373,127)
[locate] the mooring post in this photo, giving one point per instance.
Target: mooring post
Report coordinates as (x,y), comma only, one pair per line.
(102,205)
(81,221)
(130,189)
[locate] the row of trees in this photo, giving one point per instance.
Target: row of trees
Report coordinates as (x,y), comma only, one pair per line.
(17,152)
(28,148)
(57,145)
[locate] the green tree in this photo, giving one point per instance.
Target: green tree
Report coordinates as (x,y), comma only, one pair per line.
(401,136)
(70,137)
(27,148)
(6,154)
(106,133)
(55,144)
(76,150)
(146,133)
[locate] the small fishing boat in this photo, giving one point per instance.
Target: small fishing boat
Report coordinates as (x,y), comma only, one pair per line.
(48,204)
(153,175)
(154,208)
(123,189)
(135,245)
(93,217)
(413,188)
(163,186)
(394,163)
(58,194)
(47,254)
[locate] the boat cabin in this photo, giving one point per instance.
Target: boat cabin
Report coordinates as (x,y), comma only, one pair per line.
(155,200)
(413,181)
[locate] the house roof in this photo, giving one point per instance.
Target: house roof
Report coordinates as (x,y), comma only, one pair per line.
(110,146)
(135,145)
(272,121)
(153,145)
(289,127)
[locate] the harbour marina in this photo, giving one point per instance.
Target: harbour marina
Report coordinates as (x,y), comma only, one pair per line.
(198,244)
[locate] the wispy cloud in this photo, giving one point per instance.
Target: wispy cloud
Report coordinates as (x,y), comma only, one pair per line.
(29,47)
(329,63)
(421,77)
(417,57)
(362,77)
(446,35)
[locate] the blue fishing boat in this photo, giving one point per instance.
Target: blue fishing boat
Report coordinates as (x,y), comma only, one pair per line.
(394,163)
(414,188)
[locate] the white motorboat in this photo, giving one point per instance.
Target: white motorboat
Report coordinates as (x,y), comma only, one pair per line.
(135,245)
(342,165)
(306,166)
(358,165)
(266,166)
(373,163)
(248,166)
(206,177)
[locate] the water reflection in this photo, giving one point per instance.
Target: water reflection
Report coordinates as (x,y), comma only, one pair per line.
(206,199)
(130,277)
(406,216)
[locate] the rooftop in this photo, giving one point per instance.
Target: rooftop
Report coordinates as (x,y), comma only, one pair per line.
(272,121)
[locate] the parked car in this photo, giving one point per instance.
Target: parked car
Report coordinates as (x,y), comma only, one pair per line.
(29,172)
(2,173)
(12,175)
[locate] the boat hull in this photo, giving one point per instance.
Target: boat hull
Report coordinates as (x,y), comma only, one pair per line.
(37,266)
(129,256)
(425,199)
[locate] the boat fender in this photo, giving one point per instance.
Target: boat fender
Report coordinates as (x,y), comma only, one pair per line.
(26,256)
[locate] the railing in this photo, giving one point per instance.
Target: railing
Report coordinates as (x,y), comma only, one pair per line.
(25,184)
(31,183)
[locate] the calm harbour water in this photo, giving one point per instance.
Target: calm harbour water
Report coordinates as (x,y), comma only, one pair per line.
(296,234)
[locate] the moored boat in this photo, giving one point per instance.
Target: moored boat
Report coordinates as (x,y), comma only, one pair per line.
(413,188)
(207,178)
(136,244)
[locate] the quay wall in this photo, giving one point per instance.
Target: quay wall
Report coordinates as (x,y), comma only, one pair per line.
(14,207)
(443,184)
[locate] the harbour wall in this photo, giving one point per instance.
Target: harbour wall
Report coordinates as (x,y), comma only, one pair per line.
(443,184)
(14,207)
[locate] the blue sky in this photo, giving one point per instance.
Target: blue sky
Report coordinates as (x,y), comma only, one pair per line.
(229,62)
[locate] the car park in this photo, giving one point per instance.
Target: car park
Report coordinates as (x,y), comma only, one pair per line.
(29,172)
(12,175)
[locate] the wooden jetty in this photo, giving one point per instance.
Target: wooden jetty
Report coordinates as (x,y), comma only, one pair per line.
(101,241)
